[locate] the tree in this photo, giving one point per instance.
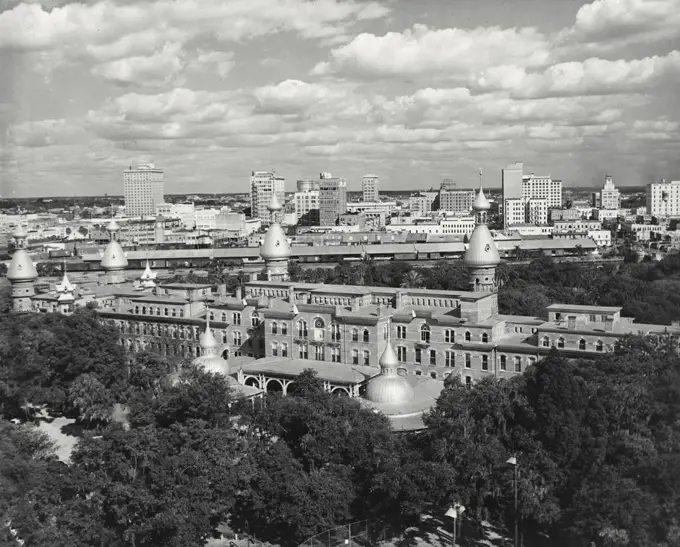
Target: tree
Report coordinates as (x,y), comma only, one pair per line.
(93,402)
(412,280)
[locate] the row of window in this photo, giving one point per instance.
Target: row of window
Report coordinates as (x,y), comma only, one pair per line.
(560,343)
(167,312)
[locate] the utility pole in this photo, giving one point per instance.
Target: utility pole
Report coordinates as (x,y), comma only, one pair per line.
(513,461)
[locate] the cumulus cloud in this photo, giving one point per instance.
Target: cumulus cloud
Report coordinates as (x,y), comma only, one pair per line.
(219,62)
(294,96)
(155,70)
(444,53)
(43,133)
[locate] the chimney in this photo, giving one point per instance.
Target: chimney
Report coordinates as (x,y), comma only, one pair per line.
(239,293)
(609,324)
(291,295)
(355,303)
(399,300)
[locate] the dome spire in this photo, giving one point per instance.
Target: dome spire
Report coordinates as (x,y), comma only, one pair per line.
(389,386)
(21,273)
(207,340)
(275,249)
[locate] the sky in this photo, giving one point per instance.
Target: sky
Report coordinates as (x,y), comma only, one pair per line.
(414,91)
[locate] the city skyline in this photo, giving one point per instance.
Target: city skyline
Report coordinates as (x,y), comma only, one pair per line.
(412,92)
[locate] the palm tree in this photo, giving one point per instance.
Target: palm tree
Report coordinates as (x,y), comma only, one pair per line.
(411,280)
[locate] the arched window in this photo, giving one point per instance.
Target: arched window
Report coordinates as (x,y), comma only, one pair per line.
(174,312)
(284,328)
(560,342)
(365,335)
(355,356)
(137,309)
(468,336)
(275,327)
(582,344)
(425,333)
(401,354)
(302,329)
(165,311)
(254,319)
(143,310)
(599,346)
(275,349)
(355,335)
(223,317)
(212,316)
(158,310)
(284,349)
(545,342)
(485,337)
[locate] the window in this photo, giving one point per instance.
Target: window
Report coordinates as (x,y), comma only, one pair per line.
(468,360)
(433,375)
(302,329)
(284,328)
(212,316)
(223,317)
(275,349)
(485,362)
(582,344)
(318,323)
(367,357)
(236,318)
(468,382)
(485,337)
(518,364)
(593,319)
(143,310)
(504,362)
(433,357)
(468,336)
(303,351)
(599,346)
(450,359)
(284,349)
(319,353)
(425,333)
(418,355)
(165,311)
(335,332)
(335,355)
(355,356)
(449,336)
(275,327)
(236,336)
(174,312)
(532,361)
(401,332)
(560,342)
(254,319)
(365,335)
(545,342)
(355,335)
(401,354)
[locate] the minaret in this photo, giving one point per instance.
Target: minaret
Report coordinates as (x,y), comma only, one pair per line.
(389,386)
(210,359)
(481,256)
(114,261)
(66,292)
(21,274)
(275,249)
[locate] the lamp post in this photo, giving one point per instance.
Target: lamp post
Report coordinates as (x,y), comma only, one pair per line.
(454,512)
(513,461)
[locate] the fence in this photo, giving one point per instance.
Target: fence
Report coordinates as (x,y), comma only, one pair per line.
(363,533)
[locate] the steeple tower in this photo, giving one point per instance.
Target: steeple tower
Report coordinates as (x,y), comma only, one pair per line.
(148,277)
(481,256)
(66,292)
(21,273)
(275,249)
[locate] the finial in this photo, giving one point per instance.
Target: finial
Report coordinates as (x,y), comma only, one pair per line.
(481,179)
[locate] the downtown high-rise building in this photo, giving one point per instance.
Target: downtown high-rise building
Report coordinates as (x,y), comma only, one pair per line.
(306,201)
(332,199)
(527,198)
(453,199)
(542,187)
(663,199)
(610,196)
(369,187)
(143,189)
(262,185)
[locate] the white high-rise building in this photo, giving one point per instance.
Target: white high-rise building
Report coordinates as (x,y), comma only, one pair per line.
(307,207)
(663,199)
(535,187)
(537,211)
(262,185)
(369,185)
(143,189)
(610,197)
(514,212)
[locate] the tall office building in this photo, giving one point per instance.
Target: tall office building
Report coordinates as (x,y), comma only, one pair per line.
(332,199)
(536,187)
(143,189)
(610,197)
(663,199)
(453,199)
(262,185)
(511,187)
(307,207)
(369,185)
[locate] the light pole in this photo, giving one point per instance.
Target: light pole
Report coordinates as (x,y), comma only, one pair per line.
(513,461)
(454,512)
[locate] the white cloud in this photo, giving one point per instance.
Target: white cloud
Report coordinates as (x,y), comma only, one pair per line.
(43,133)
(154,70)
(294,96)
(450,54)
(219,62)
